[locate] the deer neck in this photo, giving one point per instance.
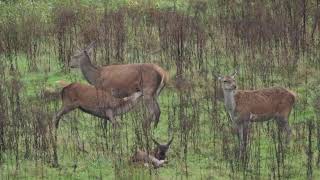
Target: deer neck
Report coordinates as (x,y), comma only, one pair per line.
(155,153)
(126,104)
(229,101)
(89,71)
(220,94)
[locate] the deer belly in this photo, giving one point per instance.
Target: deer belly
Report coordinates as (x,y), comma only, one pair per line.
(260,117)
(121,92)
(98,113)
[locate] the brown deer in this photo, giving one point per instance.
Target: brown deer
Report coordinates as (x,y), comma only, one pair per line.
(246,106)
(96,102)
(157,157)
(125,79)
(93,101)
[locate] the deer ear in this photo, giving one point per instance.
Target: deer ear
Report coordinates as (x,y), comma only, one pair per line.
(90,51)
(76,48)
(235,71)
(76,51)
(218,76)
(158,144)
(90,47)
(170,141)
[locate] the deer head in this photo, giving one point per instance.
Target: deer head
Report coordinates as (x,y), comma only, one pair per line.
(81,55)
(161,149)
(229,82)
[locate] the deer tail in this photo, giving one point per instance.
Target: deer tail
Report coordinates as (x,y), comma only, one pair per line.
(164,78)
(294,96)
(62,83)
(50,93)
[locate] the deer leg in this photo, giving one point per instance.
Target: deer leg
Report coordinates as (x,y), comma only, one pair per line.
(241,138)
(111,117)
(147,159)
(105,121)
(116,133)
(245,137)
(153,109)
(156,163)
(56,120)
(284,126)
(60,113)
(242,128)
(231,116)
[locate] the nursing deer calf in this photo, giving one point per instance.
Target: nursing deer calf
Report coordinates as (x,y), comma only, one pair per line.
(246,106)
(96,102)
(93,101)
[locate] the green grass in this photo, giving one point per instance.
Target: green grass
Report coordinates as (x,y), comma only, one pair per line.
(210,143)
(205,161)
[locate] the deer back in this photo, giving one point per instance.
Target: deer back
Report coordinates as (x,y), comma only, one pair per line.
(131,77)
(264,101)
(89,96)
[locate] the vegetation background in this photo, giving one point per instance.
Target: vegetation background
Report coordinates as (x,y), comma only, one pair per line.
(275,42)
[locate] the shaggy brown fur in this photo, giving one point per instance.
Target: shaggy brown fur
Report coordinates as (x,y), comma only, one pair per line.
(93,101)
(246,106)
(150,78)
(271,102)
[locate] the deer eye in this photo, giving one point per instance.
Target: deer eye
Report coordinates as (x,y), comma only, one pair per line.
(225,81)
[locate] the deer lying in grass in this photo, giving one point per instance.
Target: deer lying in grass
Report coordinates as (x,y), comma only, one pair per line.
(157,157)
(125,79)
(96,102)
(246,106)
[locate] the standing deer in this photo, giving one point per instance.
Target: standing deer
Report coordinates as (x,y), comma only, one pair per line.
(246,106)
(97,102)
(156,157)
(125,79)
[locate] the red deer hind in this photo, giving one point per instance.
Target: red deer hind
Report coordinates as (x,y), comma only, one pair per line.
(125,79)
(246,106)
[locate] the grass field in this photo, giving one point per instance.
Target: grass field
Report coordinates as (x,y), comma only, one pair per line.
(275,43)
